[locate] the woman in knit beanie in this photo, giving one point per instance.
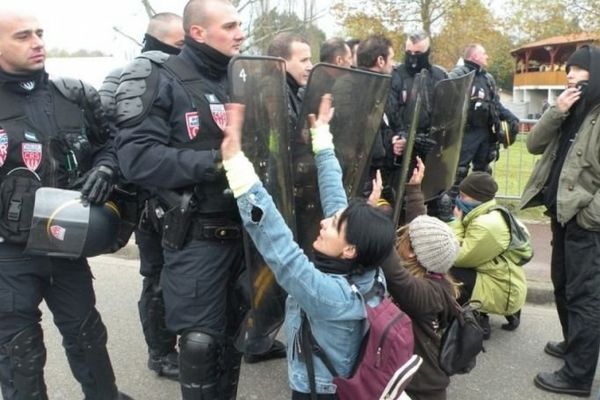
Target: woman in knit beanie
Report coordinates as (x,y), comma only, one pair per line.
(486,267)
(417,279)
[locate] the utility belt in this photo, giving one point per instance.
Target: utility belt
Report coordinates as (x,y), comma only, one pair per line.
(215,230)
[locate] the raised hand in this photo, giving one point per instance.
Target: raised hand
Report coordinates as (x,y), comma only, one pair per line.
(232,134)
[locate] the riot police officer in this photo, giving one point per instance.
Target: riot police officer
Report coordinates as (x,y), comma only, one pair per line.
(171,115)
(401,102)
(480,143)
(164,33)
(52,133)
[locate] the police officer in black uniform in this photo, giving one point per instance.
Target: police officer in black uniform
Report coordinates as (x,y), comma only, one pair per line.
(171,114)
(52,133)
(164,33)
(480,142)
(401,102)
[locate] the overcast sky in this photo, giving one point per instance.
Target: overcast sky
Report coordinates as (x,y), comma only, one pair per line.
(88,24)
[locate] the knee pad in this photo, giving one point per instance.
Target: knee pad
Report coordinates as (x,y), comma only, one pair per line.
(199,368)
(27,356)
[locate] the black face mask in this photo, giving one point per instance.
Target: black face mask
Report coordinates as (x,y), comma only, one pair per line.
(416,62)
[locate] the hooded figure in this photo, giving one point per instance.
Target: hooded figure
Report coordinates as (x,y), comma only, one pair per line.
(565,180)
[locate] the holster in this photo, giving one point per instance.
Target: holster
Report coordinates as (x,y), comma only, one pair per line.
(176,223)
(17,198)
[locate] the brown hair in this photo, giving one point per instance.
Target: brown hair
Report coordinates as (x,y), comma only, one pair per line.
(410,262)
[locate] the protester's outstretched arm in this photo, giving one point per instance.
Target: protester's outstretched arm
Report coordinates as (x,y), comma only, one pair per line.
(331,190)
(269,232)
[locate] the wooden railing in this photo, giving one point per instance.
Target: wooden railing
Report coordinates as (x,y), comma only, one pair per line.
(547,78)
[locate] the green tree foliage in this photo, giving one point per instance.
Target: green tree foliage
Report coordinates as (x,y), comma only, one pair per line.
(538,19)
(474,23)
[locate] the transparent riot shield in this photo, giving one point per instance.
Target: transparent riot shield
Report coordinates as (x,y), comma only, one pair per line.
(400,178)
(259,83)
(359,98)
(449,115)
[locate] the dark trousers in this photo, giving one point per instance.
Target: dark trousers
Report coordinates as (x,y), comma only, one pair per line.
(475,149)
(66,287)
(468,277)
(575,272)
(151,305)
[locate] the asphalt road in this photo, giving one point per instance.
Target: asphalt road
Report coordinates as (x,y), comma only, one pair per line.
(505,371)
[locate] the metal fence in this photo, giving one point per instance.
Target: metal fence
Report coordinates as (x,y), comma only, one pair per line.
(514,166)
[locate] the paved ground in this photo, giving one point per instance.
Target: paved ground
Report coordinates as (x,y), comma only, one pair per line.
(505,371)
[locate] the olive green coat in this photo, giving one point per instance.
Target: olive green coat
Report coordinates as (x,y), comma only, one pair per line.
(579,183)
(484,238)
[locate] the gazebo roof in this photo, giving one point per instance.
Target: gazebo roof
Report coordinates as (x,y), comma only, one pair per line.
(557,40)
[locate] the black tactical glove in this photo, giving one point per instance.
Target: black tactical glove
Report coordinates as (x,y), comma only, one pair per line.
(98,185)
(423,144)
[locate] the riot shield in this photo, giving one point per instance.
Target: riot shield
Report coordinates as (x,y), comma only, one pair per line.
(259,83)
(399,179)
(449,115)
(359,98)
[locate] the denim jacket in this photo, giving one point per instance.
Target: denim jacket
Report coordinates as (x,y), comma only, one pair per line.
(336,314)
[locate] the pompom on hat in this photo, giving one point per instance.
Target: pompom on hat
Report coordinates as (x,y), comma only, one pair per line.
(434,243)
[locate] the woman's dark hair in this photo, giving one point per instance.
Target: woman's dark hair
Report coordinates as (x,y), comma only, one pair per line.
(369,230)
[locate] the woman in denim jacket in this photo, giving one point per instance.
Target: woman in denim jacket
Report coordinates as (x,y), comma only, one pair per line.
(353,240)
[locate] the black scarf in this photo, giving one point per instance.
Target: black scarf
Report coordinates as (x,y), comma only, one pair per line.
(23,83)
(214,59)
(153,44)
(294,86)
(337,266)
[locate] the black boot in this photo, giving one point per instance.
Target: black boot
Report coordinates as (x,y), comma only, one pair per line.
(165,365)
(277,350)
(556,349)
(514,321)
(555,382)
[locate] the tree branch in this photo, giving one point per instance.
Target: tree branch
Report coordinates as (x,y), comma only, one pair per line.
(119,31)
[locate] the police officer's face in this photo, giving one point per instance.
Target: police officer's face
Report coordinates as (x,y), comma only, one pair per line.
(480,56)
(346,60)
(299,63)
(21,45)
(332,239)
(223,29)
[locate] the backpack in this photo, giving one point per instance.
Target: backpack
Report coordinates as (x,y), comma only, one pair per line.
(520,244)
(384,366)
(462,340)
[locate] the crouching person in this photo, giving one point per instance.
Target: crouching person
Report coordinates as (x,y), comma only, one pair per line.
(354,239)
(489,268)
(417,279)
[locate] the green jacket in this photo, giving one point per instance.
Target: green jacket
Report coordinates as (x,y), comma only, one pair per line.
(579,183)
(484,237)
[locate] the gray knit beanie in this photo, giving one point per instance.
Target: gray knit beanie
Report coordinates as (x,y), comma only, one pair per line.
(434,243)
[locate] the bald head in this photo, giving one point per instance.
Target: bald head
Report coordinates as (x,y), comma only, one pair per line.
(21,45)
(215,23)
(168,28)
(197,12)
